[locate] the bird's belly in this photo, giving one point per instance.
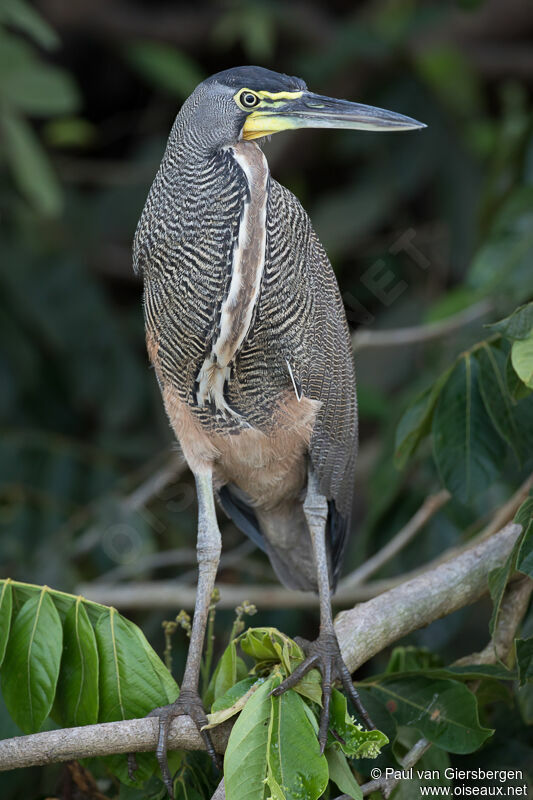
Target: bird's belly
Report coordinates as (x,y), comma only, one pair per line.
(269,465)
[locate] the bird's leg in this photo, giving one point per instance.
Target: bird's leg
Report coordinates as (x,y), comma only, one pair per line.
(324,653)
(208,552)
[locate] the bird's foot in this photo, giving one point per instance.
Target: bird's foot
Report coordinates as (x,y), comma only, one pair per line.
(188,704)
(324,654)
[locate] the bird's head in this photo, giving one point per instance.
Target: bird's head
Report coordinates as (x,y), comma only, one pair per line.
(253,102)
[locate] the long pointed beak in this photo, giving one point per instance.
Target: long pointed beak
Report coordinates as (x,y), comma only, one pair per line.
(315,111)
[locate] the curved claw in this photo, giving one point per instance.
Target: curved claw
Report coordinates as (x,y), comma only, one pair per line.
(324,654)
(187,704)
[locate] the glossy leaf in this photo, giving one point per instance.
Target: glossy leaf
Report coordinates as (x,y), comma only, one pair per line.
(468,455)
(31,664)
(341,774)
(524,558)
(498,402)
(229,670)
(524,658)
(245,763)
(77,690)
(233,701)
(294,763)
(443,711)
(6,609)
(517,325)
(516,388)
(129,685)
(356,741)
(497,582)
(522,360)
(416,421)
(503,262)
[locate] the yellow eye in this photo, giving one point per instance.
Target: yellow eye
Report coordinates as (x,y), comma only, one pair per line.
(248,99)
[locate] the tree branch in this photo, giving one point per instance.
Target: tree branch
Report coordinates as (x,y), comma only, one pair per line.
(369,627)
(169,594)
(363,631)
(399,337)
(429,507)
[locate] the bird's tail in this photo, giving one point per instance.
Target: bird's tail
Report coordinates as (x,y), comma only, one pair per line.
(281,532)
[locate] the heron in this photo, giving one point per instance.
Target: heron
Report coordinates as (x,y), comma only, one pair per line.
(247,334)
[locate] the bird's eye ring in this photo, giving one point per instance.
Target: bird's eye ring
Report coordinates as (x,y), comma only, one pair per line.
(248,99)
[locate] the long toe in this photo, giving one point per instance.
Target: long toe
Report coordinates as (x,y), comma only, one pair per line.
(188,704)
(324,654)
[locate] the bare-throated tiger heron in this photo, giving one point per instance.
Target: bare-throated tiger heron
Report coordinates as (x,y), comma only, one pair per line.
(247,333)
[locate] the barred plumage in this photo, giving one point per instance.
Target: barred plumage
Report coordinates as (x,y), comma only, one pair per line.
(185,253)
(247,333)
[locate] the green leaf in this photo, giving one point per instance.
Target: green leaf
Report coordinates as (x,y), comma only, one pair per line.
(239,695)
(503,262)
(234,693)
(498,402)
(129,685)
(294,762)
(522,360)
(269,644)
(357,742)
(30,165)
(516,388)
(341,774)
(31,665)
(40,90)
(416,421)
(245,763)
(6,608)
(524,658)
(524,559)
(229,670)
(77,691)
(407,658)
(20,14)
(443,711)
(165,67)
(497,582)
(468,455)
(517,325)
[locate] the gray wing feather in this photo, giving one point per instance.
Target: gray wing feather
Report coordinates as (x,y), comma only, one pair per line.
(327,372)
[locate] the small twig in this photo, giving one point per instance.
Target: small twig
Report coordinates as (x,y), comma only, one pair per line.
(429,507)
(178,557)
(154,484)
(364,339)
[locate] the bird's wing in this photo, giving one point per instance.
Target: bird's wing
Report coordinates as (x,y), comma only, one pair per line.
(328,373)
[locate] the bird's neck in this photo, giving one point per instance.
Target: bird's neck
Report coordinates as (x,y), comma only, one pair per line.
(247,265)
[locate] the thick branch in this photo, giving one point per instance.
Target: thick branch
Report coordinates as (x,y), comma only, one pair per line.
(363,631)
(366,629)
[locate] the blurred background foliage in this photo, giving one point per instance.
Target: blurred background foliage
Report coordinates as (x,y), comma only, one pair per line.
(89,489)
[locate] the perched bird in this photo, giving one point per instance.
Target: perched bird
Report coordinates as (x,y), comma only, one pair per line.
(247,333)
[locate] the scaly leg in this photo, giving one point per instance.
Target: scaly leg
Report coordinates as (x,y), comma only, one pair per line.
(324,653)
(208,548)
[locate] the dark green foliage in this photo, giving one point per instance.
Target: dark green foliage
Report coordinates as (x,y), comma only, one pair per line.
(420,227)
